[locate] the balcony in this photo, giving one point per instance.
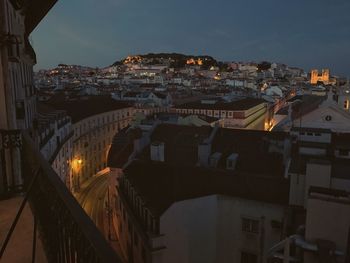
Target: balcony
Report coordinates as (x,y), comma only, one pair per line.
(66,231)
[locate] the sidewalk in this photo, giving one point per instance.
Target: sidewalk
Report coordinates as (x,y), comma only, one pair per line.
(19,249)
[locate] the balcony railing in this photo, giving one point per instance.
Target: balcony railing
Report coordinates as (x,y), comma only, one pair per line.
(66,231)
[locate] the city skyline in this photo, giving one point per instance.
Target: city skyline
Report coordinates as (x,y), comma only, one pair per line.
(227,31)
(174,156)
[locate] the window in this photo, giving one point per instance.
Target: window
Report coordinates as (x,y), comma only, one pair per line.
(248,257)
(343,152)
(250,225)
(229,163)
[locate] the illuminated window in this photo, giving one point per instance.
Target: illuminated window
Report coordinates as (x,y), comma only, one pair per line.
(346,104)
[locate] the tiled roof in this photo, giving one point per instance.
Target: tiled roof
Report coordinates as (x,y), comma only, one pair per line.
(122,147)
(83,108)
(181,142)
(160,184)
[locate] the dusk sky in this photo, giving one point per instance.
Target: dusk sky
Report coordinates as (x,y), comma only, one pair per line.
(303,33)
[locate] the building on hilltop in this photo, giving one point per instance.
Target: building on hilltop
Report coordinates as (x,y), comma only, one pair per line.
(316,77)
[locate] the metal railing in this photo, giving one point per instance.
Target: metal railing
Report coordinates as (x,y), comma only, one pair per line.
(66,231)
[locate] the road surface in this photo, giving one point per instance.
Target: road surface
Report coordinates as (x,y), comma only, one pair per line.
(92,197)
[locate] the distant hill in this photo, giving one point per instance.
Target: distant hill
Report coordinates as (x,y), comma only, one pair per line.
(173,59)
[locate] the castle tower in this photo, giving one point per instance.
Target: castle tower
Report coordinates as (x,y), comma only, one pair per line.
(314,76)
(325,76)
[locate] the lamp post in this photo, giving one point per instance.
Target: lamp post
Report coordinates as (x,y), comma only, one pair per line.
(77,167)
(109,212)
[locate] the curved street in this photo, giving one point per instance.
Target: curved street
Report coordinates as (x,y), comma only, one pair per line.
(93,198)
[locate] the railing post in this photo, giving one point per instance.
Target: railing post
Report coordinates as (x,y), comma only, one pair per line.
(11,144)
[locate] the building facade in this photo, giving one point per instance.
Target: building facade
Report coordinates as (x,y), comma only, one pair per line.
(91,142)
(243,114)
(17,93)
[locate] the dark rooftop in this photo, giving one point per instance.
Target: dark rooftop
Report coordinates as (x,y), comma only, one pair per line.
(161,184)
(302,105)
(82,108)
(181,142)
(122,147)
(253,149)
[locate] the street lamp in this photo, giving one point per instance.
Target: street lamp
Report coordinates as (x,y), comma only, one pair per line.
(76,168)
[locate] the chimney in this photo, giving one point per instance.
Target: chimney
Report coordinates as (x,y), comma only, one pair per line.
(157,151)
(231,161)
(204,150)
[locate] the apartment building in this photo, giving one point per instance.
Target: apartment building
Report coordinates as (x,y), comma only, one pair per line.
(193,195)
(53,130)
(245,114)
(95,120)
